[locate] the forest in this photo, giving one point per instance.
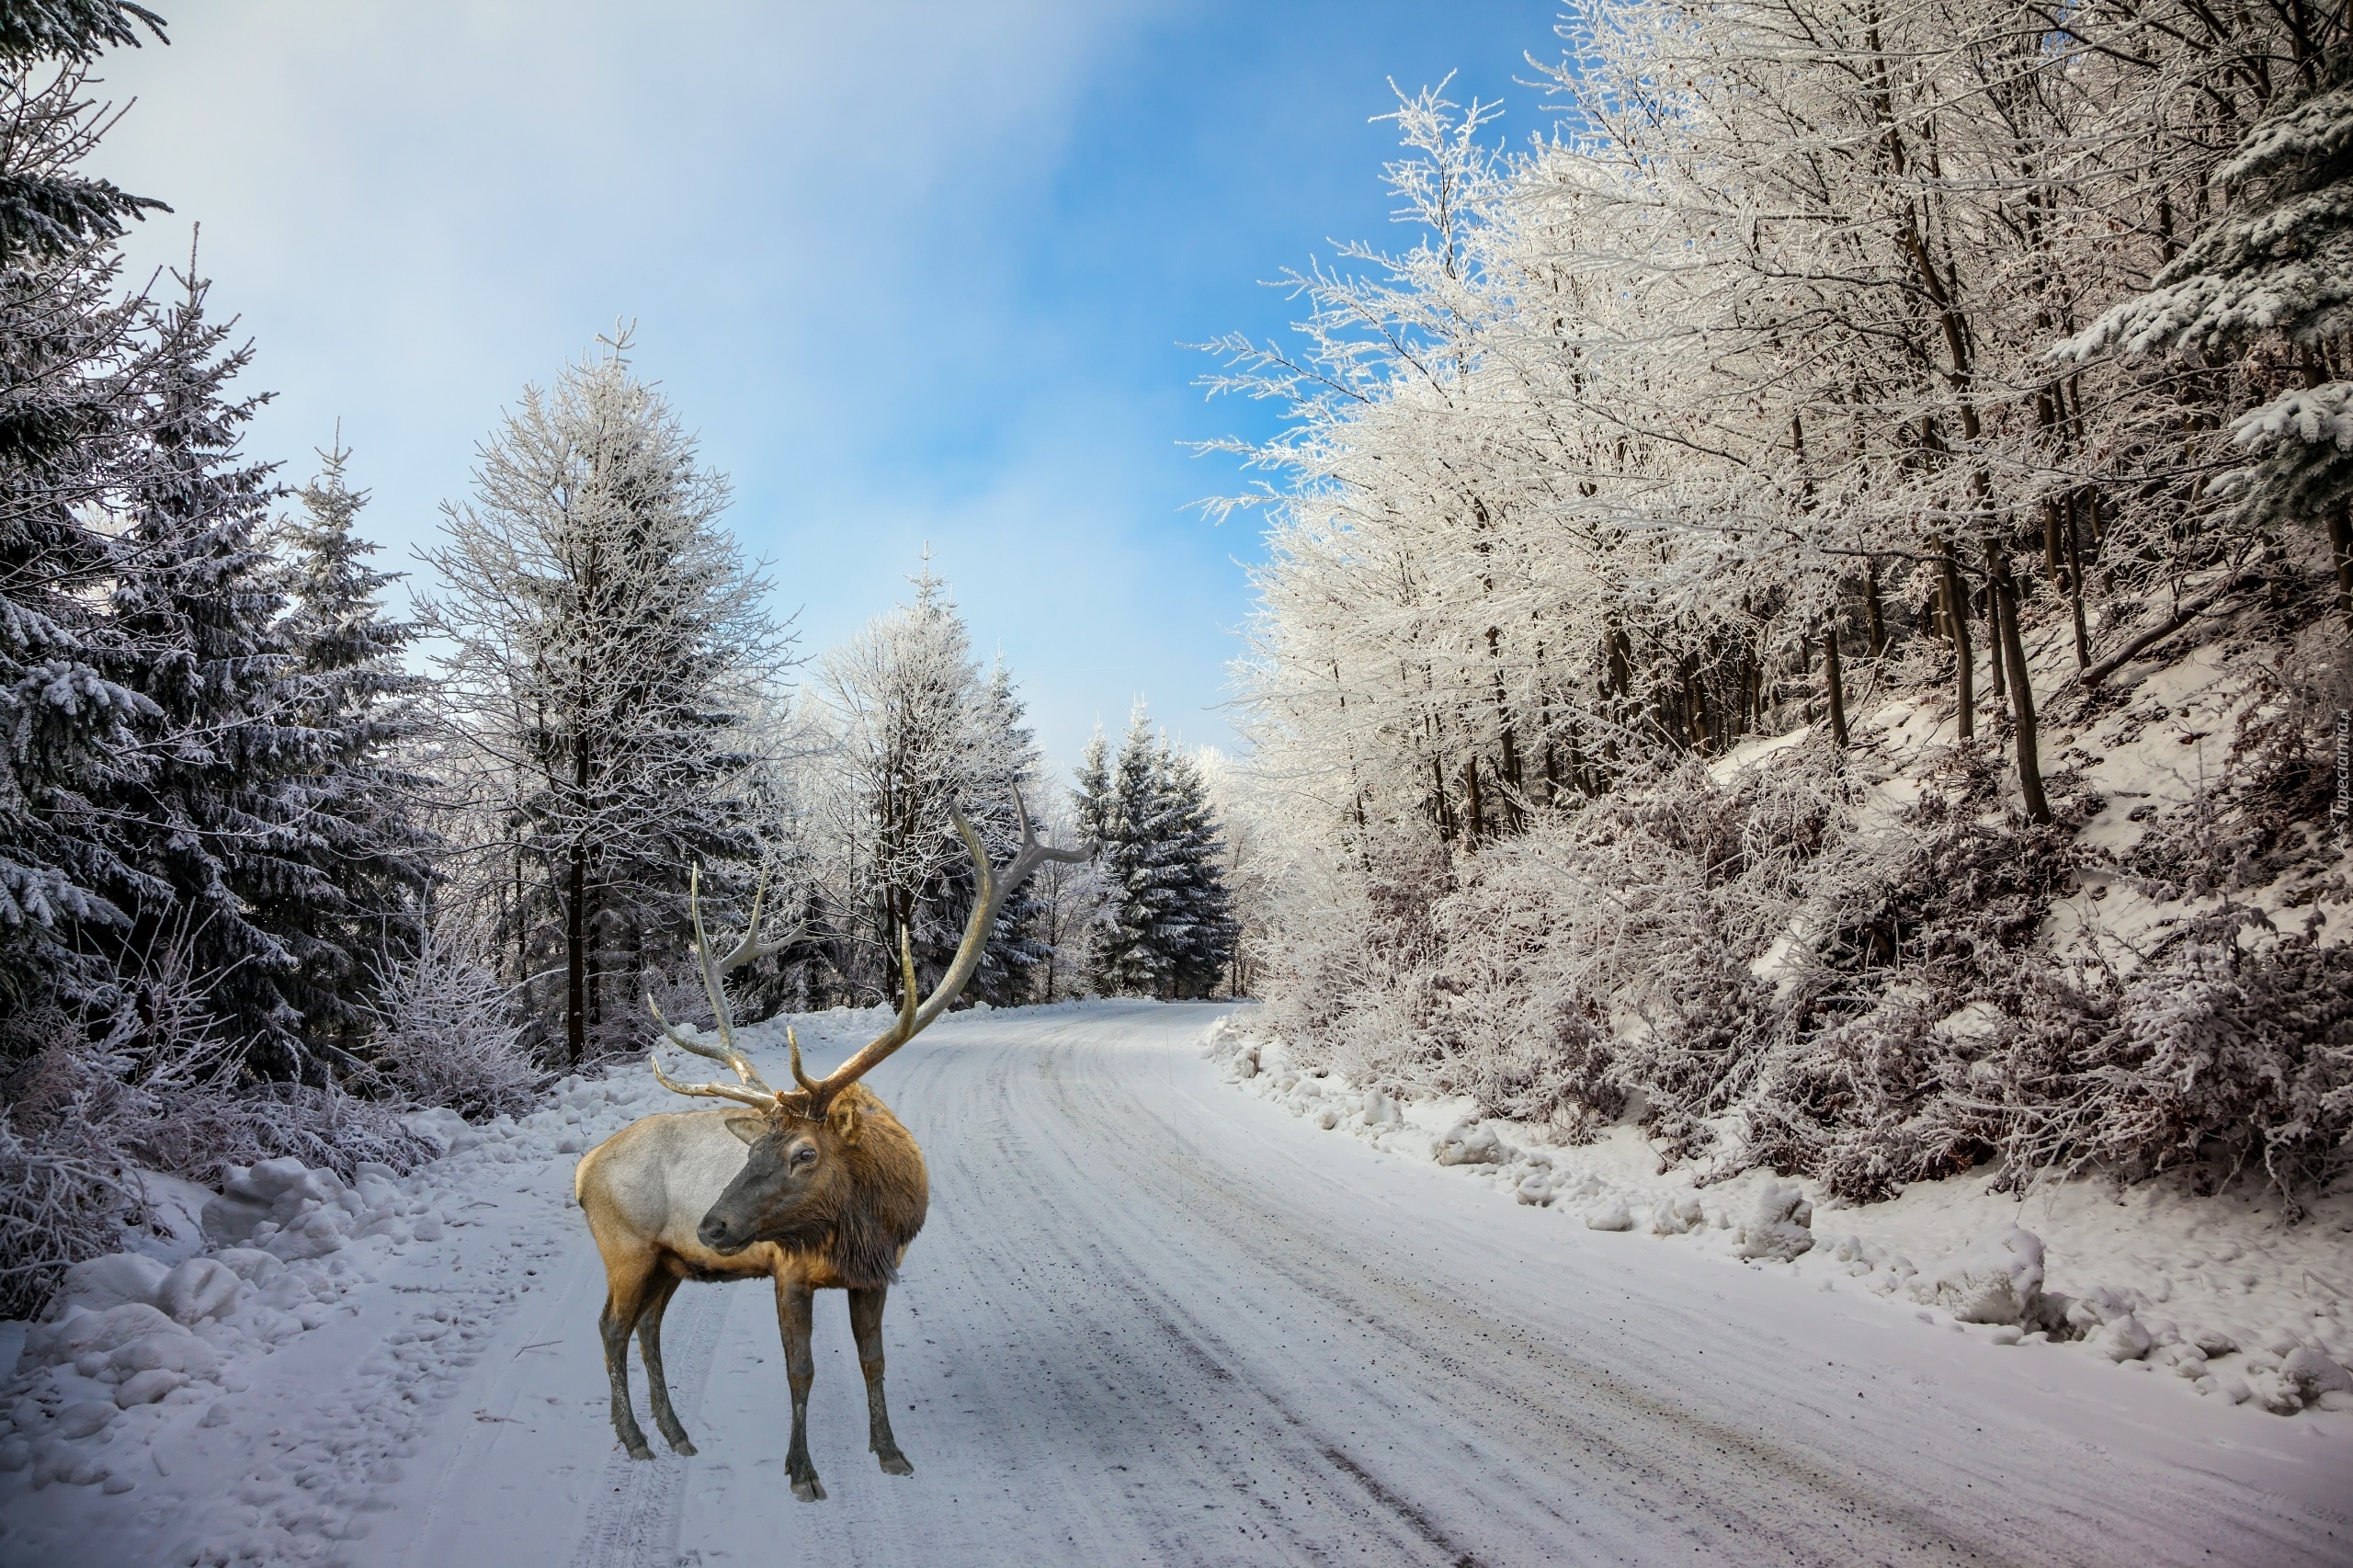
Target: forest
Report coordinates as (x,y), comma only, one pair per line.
(280,864)
(1731,576)
(1722,583)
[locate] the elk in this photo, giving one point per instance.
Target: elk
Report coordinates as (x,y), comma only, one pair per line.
(816,1188)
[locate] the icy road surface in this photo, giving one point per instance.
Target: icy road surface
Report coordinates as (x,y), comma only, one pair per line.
(1155,1321)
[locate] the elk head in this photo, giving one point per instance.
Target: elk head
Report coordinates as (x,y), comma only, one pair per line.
(808,1176)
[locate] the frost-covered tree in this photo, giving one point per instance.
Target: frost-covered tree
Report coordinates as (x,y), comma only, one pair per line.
(604,645)
(362,806)
(208,812)
(50,209)
(1126,957)
(1092,812)
(1069,897)
(2269,282)
(1724,408)
(1202,929)
(1167,928)
(71,368)
(921,726)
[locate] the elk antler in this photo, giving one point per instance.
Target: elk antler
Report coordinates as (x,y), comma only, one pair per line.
(753,1092)
(988,896)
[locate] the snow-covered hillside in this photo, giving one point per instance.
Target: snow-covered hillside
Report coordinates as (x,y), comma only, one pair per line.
(1151,1319)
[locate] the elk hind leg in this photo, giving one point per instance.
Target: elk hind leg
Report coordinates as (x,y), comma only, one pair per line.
(649,1344)
(795,1318)
(865,1327)
(624,1299)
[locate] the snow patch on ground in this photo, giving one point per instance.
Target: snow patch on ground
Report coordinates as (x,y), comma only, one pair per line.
(2225,1294)
(251,1387)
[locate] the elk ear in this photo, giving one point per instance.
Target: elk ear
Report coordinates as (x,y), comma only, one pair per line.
(747,1127)
(843,1117)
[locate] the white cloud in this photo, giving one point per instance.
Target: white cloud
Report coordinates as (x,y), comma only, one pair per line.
(813,211)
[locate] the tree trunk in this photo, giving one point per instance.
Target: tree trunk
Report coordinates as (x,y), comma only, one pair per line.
(1874,615)
(2075,589)
(1994,657)
(2012,648)
(1963,657)
(575,942)
(1834,680)
(2340,544)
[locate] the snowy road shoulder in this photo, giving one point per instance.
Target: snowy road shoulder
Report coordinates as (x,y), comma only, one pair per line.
(264,1400)
(2225,1293)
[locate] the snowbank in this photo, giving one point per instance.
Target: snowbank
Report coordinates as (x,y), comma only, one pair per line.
(2225,1293)
(260,1388)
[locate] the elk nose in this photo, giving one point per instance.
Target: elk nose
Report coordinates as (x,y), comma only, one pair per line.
(712,1232)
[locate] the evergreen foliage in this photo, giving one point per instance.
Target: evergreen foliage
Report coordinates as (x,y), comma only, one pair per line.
(71,372)
(205,812)
(921,727)
(606,642)
(1168,929)
(2274,269)
(49,211)
(1201,941)
(360,805)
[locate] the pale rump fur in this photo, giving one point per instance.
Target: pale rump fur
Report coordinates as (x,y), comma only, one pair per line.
(646,1189)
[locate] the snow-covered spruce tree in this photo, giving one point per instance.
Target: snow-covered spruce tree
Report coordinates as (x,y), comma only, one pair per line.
(1204,930)
(604,646)
(921,726)
(2268,284)
(208,813)
(362,807)
(1167,927)
(71,370)
(49,211)
(1007,759)
(1093,815)
(1126,957)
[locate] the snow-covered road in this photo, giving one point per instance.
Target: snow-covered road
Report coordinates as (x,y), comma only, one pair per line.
(1153,1320)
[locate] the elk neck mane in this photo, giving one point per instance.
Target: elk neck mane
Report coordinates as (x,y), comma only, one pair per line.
(877,1211)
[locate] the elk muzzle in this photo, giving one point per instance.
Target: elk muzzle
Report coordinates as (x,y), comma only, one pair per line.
(719,1235)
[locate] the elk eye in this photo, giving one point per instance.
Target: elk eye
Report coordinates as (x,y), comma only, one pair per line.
(803,1157)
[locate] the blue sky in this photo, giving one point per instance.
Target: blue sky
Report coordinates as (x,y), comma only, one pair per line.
(914,272)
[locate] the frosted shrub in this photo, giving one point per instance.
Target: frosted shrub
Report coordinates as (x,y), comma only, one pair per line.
(2232,1047)
(448,1034)
(200,1136)
(168,1089)
(63,1198)
(158,1090)
(1774,982)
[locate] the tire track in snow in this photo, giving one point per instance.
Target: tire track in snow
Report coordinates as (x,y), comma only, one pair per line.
(641,1502)
(1521,1426)
(1150,1321)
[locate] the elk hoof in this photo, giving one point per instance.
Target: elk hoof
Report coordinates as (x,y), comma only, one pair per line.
(637,1451)
(896,1464)
(683,1444)
(807,1490)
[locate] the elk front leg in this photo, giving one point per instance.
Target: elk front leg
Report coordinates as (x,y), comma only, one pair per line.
(649,1344)
(795,1319)
(624,1299)
(865,1327)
